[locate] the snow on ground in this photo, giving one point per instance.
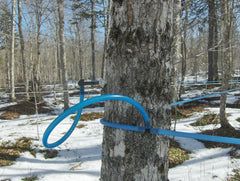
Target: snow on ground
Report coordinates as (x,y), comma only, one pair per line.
(79,158)
(205,164)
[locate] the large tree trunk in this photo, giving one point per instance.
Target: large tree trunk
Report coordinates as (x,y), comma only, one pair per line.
(12,57)
(139,65)
(62,54)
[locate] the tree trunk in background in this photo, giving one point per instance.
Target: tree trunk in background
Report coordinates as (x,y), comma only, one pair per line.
(62,54)
(105,38)
(212,42)
(184,47)
(8,83)
(59,65)
(106,27)
(12,57)
(93,27)
(79,49)
(176,47)
(226,35)
(216,49)
(22,47)
(139,66)
(36,64)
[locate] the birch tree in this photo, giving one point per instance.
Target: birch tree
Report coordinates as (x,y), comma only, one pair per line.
(139,65)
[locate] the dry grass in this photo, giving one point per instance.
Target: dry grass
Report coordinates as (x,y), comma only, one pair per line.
(9,152)
(207,119)
(177,155)
(90,116)
(49,153)
(182,112)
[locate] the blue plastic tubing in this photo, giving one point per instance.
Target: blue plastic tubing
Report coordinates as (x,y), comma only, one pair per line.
(78,107)
(205,82)
(202,97)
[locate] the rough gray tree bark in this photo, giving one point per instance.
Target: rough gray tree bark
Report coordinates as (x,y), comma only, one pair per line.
(139,65)
(12,57)
(62,54)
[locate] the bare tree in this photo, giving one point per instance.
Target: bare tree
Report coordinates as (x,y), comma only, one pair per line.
(177,43)
(226,36)
(57,49)
(62,53)
(5,39)
(139,66)
(79,49)
(93,27)
(37,8)
(212,41)
(12,57)
(186,5)
(22,49)
(78,44)
(106,11)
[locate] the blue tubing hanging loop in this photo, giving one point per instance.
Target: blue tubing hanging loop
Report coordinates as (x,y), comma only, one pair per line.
(78,108)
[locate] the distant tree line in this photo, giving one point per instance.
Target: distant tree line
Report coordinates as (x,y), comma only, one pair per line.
(35,52)
(199,48)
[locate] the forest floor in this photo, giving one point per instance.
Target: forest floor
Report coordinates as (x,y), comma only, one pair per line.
(23,157)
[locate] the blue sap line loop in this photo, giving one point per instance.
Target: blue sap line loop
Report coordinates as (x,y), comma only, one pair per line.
(83,104)
(78,107)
